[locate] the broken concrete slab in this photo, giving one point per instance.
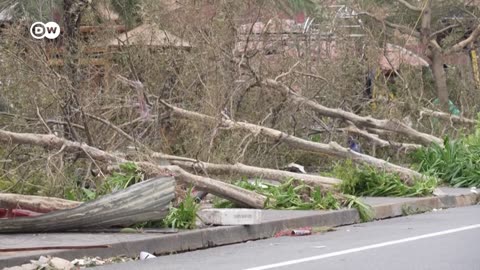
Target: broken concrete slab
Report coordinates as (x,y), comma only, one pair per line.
(230,216)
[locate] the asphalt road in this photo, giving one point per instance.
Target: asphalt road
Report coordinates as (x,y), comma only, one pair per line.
(442,240)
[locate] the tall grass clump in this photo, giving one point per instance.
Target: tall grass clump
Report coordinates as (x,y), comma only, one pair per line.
(456,162)
(368,181)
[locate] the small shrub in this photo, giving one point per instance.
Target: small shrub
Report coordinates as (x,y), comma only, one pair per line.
(185,215)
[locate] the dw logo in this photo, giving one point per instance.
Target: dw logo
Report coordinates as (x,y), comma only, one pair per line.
(50,30)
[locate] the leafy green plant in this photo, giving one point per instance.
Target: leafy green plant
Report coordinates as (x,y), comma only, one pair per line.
(457,162)
(128,175)
(369,181)
(296,195)
(185,215)
(365,211)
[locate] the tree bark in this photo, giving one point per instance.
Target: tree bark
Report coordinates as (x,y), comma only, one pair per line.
(448,117)
(360,121)
(440,78)
(73,10)
(332,149)
(249,171)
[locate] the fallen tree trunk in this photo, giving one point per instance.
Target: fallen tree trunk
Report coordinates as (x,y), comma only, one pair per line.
(332,149)
(359,121)
(248,171)
(238,195)
(35,203)
(221,189)
(448,117)
(145,201)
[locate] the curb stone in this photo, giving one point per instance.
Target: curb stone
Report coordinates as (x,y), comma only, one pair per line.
(218,236)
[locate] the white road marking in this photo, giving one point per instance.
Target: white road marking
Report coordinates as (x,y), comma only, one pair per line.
(359,249)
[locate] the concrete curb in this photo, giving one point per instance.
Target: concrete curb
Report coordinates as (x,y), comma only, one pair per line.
(218,236)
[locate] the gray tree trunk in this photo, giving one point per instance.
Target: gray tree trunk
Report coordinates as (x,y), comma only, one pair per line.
(440,78)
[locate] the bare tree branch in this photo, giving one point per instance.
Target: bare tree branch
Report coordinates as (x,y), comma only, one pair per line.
(249,171)
(332,149)
(401,28)
(449,117)
(464,43)
(408,147)
(409,6)
(386,124)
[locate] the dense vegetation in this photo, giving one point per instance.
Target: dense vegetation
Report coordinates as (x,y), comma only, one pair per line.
(456,162)
(113,97)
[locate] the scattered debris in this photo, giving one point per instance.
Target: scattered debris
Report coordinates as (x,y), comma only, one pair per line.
(294,167)
(97,261)
(295,232)
(61,264)
(56,263)
(47,263)
(145,255)
(301,232)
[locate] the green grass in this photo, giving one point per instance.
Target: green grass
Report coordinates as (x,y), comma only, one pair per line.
(368,181)
(296,195)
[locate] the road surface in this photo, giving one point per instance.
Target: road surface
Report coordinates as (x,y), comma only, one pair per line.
(441,240)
